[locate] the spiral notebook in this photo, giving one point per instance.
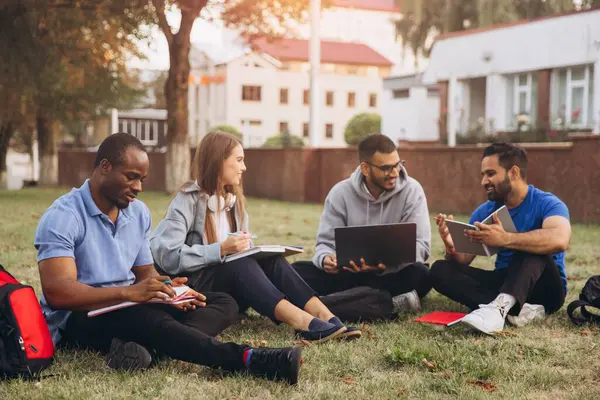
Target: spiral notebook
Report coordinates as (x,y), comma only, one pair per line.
(180,297)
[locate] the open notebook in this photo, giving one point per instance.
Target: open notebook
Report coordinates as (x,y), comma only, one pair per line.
(258,252)
(180,297)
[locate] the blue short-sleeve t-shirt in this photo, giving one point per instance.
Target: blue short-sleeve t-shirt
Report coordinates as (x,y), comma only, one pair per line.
(104,252)
(528,216)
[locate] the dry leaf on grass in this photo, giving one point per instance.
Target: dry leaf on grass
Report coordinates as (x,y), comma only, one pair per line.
(446,375)
(307,222)
(575,278)
(349,380)
(303,342)
(367,331)
(430,366)
(585,332)
(403,392)
(488,387)
(256,343)
(505,333)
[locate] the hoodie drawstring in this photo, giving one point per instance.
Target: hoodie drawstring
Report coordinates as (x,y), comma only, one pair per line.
(380,213)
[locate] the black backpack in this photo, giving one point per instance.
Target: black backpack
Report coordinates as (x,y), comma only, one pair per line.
(26,347)
(589,297)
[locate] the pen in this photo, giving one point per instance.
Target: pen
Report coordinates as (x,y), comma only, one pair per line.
(237,234)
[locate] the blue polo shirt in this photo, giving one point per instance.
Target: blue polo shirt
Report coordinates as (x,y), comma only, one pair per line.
(104,252)
(528,216)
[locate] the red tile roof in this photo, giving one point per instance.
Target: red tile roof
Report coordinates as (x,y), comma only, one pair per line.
(331,52)
(473,31)
(374,5)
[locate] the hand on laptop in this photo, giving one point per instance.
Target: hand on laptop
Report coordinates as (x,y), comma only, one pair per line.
(363,267)
(330,264)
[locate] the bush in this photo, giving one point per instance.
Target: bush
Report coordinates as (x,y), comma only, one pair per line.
(227,128)
(361,126)
(283,140)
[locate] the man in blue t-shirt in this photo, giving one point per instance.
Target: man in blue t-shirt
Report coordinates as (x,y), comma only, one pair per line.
(529,279)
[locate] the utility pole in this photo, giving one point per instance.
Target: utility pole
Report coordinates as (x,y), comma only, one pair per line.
(315,67)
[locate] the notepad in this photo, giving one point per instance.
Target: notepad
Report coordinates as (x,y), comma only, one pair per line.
(441,318)
(259,252)
(180,297)
(463,244)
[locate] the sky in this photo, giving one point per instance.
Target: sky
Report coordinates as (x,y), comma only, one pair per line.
(156,49)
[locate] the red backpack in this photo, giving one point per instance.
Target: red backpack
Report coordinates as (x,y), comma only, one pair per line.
(26,347)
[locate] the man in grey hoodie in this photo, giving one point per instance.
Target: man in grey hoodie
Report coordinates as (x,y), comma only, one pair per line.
(379,191)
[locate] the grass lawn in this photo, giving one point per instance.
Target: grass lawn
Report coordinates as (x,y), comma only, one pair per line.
(552,359)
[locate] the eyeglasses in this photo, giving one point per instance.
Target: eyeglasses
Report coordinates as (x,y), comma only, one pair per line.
(387,169)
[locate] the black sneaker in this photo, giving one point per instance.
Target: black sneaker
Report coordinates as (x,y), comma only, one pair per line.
(127,356)
(276,364)
(319,331)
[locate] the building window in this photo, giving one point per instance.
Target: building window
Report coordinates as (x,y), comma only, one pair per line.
(305,96)
(329,99)
(329,131)
(351,99)
(401,93)
(283,96)
(372,100)
(251,93)
(352,70)
(572,97)
(284,127)
(433,92)
(305,129)
(146,131)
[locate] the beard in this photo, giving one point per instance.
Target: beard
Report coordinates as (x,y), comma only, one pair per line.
(499,191)
(380,183)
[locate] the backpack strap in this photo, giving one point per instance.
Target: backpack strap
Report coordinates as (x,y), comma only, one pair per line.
(587,316)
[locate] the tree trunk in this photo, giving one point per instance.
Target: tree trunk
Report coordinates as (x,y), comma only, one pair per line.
(6,132)
(47,139)
(176,91)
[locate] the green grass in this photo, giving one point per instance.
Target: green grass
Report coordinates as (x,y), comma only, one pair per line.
(552,359)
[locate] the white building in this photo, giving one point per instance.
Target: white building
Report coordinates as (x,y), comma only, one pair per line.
(371,22)
(542,73)
(266,91)
(410,109)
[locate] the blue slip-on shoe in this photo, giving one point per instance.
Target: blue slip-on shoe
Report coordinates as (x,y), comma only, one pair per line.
(351,331)
(320,331)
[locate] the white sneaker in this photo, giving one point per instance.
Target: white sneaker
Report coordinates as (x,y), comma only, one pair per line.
(488,318)
(528,314)
(407,302)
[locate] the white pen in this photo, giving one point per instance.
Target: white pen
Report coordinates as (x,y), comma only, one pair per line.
(237,234)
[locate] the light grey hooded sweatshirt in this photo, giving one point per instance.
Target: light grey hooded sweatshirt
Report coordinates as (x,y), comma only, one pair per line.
(349,203)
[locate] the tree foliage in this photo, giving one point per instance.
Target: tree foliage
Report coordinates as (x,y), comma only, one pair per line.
(361,126)
(423,19)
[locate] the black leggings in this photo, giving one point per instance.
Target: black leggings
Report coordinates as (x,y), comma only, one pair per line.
(185,336)
(258,284)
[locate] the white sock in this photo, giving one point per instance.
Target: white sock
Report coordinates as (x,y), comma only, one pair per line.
(505,301)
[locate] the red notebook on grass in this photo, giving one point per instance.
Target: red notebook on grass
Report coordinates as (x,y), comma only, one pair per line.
(441,318)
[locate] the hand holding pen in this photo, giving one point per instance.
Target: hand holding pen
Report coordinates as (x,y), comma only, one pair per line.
(236,242)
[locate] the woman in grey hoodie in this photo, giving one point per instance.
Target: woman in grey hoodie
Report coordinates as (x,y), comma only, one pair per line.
(207,221)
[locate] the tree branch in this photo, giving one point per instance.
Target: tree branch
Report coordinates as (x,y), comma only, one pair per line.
(162,20)
(189,12)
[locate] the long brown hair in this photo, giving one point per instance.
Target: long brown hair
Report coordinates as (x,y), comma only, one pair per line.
(212,151)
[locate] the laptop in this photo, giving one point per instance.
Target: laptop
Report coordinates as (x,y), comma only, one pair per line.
(390,244)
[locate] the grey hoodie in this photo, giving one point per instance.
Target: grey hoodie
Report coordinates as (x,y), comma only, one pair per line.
(349,203)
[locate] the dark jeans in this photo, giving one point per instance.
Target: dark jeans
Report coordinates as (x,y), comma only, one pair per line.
(412,277)
(186,336)
(258,284)
(530,278)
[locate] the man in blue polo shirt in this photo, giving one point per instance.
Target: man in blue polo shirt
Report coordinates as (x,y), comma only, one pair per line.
(529,280)
(93,251)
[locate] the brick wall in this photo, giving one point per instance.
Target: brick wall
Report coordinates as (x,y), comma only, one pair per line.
(450,176)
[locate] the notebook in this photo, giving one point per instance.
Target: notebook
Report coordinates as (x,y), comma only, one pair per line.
(259,252)
(441,318)
(463,244)
(180,297)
